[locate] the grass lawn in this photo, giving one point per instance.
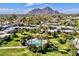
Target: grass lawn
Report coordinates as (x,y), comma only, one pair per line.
(14,42)
(26,52)
(20,35)
(56,53)
(16,52)
(62,47)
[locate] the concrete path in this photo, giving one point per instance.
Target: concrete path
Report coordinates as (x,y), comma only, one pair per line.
(12,47)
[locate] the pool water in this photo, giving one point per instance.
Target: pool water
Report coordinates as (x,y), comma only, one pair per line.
(35,41)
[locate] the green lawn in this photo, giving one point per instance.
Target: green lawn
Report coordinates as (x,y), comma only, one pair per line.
(26,52)
(61,47)
(14,42)
(15,52)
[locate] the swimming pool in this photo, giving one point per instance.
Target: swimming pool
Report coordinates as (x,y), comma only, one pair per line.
(36,42)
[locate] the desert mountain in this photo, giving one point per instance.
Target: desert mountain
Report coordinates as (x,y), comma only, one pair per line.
(46,10)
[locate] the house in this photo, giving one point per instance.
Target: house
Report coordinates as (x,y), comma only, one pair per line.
(5,26)
(76,44)
(66,29)
(3,35)
(52,29)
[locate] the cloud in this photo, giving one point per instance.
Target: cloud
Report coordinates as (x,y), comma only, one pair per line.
(29,4)
(6,9)
(13,11)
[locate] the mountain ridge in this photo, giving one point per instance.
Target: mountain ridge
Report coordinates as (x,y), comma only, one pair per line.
(46,10)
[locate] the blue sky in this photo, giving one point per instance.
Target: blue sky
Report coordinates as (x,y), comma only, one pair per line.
(22,8)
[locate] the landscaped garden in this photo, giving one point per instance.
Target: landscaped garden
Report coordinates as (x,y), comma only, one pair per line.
(59,44)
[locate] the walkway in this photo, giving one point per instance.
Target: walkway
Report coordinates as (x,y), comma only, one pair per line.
(12,47)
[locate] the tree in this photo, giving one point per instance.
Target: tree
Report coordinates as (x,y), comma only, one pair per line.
(8,38)
(0,42)
(22,41)
(62,38)
(44,49)
(62,41)
(55,34)
(39,49)
(32,48)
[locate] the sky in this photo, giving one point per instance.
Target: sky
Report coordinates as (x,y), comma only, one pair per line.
(23,8)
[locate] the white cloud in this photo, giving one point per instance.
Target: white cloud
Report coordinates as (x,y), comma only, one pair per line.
(6,9)
(29,4)
(13,11)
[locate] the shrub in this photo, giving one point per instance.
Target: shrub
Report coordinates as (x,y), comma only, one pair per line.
(62,41)
(52,47)
(68,50)
(0,42)
(50,37)
(55,35)
(14,35)
(44,49)
(39,49)
(4,42)
(22,41)
(63,51)
(32,48)
(8,38)
(0,28)
(69,37)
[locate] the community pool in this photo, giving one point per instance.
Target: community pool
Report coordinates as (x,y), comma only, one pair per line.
(35,41)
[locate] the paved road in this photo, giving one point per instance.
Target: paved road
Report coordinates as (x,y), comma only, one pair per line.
(12,47)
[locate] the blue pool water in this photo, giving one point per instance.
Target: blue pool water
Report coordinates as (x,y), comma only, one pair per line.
(36,42)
